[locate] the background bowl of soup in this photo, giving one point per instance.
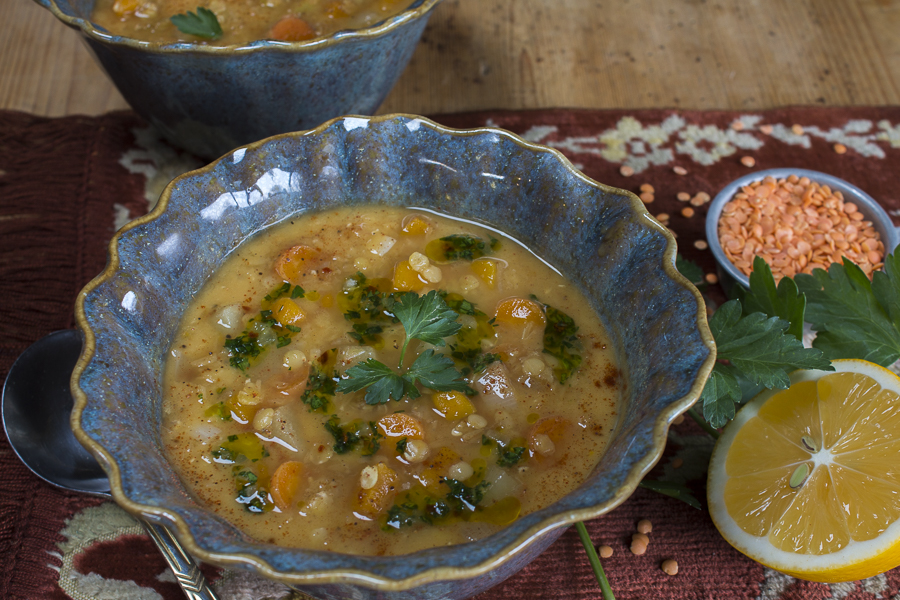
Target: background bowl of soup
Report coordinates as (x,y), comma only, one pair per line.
(600,238)
(209,98)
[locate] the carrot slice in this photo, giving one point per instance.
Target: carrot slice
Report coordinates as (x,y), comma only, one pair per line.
(292,29)
(285,483)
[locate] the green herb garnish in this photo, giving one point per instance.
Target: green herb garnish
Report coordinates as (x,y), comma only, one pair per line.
(354,435)
(758,352)
(455,247)
(320,388)
(202,24)
(561,342)
(463,497)
(853,317)
(426,318)
(510,455)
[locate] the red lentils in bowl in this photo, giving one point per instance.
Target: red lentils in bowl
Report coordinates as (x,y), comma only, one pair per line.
(796,225)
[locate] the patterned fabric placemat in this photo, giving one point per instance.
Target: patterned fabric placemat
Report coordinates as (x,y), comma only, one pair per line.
(66,184)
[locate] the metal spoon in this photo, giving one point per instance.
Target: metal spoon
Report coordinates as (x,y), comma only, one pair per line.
(36,406)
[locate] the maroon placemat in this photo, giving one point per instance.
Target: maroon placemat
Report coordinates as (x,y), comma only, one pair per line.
(66,184)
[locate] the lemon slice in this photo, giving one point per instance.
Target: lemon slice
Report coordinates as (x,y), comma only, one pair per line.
(807,480)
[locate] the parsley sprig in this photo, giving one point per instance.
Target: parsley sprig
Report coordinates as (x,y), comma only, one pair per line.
(428,319)
(202,24)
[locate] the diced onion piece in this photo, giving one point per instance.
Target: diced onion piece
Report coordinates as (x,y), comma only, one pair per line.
(380,244)
(230,317)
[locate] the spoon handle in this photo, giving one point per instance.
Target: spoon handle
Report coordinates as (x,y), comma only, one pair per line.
(186,571)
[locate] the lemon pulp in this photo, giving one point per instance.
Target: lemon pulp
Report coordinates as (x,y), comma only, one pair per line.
(814,474)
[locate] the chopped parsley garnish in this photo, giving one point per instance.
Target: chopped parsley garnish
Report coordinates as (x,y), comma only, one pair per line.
(426,318)
(510,455)
(561,342)
(242,348)
(203,23)
(320,388)
(463,497)
(364,306)
(456,247)
(401,445)
(354,435)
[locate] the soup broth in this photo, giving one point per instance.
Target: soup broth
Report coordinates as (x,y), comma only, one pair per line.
(381,380)
(241,21)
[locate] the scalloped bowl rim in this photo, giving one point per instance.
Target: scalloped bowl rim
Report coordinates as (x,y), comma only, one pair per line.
(357,576)
(416,10)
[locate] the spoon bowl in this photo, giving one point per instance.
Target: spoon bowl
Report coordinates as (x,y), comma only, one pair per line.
(36,405)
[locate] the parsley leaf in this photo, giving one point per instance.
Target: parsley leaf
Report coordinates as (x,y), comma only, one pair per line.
(383,383)
(426,318)
(436,371)
(203,23)
(785,301)
(853,317)
(758,347)
(672,490)
(690,270)
(509,456)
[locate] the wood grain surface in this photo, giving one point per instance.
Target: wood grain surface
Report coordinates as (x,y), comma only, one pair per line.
(520,54)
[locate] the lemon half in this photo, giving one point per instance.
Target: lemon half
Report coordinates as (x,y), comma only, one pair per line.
(807,480)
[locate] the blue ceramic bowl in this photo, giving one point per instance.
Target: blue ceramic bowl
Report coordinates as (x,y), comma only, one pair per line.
(600,237)
(729,275)
(210,99)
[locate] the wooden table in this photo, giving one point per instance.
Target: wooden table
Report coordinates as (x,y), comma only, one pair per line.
(520,54)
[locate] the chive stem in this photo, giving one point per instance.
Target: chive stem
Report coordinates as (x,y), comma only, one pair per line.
(595,561)
(702,423)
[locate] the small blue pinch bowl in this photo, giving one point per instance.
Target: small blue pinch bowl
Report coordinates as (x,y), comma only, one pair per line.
(600,237)
(729,275)
(210,99)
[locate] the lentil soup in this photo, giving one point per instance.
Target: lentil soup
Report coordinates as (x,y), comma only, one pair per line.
(241,21)
(381,380)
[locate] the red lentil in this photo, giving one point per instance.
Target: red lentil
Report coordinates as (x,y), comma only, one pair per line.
(626,171)
(663,218)
(703,196)
(748,161)
(641,537)
(670,567)
(796,225)
(680,170)
(766,129)
(638,547)
(738,126)
(647,197)
(711,278)
(840,148)
(683,196)
(697,201)
(645,526)
(701,245)
(687,212)
(797,129)
(605,551)
(646,187)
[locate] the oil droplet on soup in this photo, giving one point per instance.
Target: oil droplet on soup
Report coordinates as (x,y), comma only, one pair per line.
(381,380)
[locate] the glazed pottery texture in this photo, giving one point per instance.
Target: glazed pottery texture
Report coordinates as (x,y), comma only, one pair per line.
(600,237)
(209,99)
(729,274)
